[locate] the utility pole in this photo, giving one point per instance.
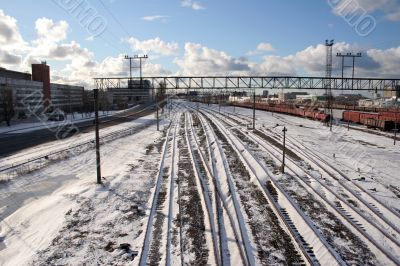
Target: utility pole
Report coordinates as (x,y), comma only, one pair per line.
(284,150)
(254,109)
(96,120)
(219,103)
(348,124)
(169,110)
(234,102)
(395,127)
(157,95)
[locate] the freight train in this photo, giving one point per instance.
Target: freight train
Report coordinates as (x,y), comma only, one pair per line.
(286,109)
(383,120)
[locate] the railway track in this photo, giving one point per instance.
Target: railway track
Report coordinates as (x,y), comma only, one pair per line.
(181,218)
(367,229)
(160,208)
(220,169)
(382,215)
(348,216)
(228,228)
(375,206)
(38,162)
(278,196)
(370,201)
(260,193)
(45,155)
(203,182)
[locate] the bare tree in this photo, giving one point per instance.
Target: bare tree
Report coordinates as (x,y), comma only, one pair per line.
(7,104)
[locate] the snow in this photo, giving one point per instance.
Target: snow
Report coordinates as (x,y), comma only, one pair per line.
(261,176)
(224,184)
(41,122)
(31,233)
(375,156)
(62,144)
(58,215)
(322,139)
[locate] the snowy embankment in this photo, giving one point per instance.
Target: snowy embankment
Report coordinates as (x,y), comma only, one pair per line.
(81,141)
(32,124)
(58,215)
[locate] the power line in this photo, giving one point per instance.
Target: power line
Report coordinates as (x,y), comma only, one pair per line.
(115,18)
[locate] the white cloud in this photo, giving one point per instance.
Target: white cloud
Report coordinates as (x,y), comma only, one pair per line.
(10,37)
(154,45)
(275,66)
(192,4)
(81,66)
(155,18)
(49,31)
(311,61)
(262,48)
(388,60)
(201,60)
(152,70)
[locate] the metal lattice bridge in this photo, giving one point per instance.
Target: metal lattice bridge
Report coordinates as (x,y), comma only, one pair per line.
(254,82)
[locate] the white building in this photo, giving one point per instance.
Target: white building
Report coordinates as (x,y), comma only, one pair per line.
(65,97)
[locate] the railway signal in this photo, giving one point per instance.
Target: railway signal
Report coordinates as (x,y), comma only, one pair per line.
(284,130)
(96,121)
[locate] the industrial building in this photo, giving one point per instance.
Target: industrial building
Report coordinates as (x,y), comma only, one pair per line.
(283,97)
(390,93)
(137,92)
(32,93)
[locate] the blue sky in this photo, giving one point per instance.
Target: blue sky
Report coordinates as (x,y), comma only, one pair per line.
(201,37)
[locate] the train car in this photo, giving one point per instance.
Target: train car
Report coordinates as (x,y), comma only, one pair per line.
(309,114)
(394,116)
(285,109)
(369,116)
(352,116)
(378,123)
(322,117)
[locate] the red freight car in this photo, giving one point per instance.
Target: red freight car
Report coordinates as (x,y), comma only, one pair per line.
(351,116)
(369,116)
(284,109)
(322,117)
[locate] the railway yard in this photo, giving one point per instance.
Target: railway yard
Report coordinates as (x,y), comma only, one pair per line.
(207,189)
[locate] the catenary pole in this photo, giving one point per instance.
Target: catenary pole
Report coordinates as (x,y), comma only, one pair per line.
(96,120)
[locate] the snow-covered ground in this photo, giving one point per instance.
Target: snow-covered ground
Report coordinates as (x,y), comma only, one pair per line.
(59,210)
(41,122)
(58,215)
(358,154)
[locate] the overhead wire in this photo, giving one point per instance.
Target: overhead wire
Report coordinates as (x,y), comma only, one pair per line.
(122,27)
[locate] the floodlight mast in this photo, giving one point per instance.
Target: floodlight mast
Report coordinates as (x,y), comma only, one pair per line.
(349,55)
(135,57)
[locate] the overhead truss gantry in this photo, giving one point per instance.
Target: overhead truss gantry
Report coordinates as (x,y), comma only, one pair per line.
(257,82)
